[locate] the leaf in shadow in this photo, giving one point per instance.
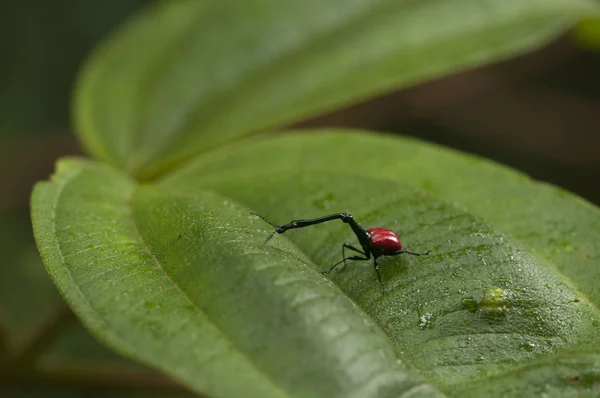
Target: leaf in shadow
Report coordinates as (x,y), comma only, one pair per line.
(185,77)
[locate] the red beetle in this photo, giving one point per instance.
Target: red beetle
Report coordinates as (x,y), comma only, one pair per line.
(384,239)
(376,242)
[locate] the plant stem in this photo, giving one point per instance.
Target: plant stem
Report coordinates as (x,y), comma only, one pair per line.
(30,350)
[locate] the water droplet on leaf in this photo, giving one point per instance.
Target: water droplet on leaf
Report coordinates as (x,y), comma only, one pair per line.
(427,321)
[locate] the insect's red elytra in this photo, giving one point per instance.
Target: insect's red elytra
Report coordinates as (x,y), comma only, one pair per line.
(374,242)
(384,239)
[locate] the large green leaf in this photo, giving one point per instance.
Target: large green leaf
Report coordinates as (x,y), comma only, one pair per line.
(175,273)
(182,282)
(186,76)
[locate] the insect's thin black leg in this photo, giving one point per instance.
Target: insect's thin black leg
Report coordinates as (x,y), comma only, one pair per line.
(343,261)
(376,266)
(414,254)
(349,246)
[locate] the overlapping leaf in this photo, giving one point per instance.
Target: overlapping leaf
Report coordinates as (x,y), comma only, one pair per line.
(187,76)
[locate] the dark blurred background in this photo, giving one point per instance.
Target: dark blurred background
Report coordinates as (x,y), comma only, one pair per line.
(539,113)
(44,351)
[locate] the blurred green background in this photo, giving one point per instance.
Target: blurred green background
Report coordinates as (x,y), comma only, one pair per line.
(42,45)
(539,113)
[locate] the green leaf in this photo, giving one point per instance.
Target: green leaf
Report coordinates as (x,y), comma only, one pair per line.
(175,275)
(187,76)
(182,282)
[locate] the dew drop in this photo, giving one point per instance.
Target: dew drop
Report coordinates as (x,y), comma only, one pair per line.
(494,301)
(427,321)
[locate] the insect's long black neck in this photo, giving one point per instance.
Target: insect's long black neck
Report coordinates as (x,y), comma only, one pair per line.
(358,230)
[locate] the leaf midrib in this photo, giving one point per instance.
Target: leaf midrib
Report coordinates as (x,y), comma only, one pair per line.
(178,288)
(123,342)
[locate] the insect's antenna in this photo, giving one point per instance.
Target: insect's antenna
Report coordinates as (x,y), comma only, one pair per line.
(265,220)
(269,237)
(270,223)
